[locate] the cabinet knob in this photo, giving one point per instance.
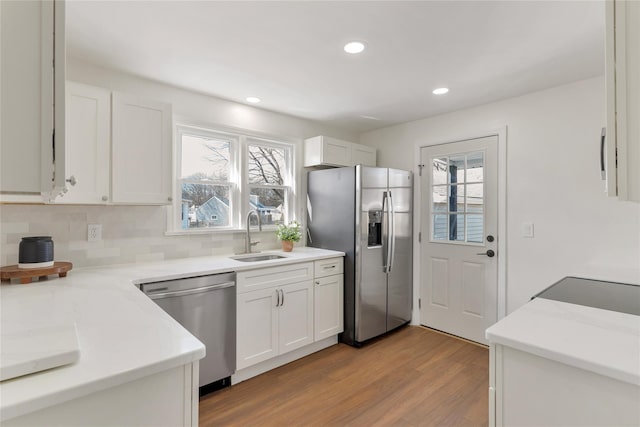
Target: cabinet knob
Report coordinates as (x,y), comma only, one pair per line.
(105,198)
(170,199)
(72,180)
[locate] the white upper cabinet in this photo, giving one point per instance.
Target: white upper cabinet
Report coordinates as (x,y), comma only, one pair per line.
(140,150)
(29,112)
(623,99)
(87,142)
(326,151)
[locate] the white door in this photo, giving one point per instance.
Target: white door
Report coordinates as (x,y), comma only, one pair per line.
(459,224)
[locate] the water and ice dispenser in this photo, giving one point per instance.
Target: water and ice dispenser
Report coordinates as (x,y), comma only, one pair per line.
(374,228)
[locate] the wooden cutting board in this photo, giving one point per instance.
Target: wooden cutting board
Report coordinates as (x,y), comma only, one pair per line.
(26,275)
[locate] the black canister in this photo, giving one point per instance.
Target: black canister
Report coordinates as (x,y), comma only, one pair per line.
(37,249)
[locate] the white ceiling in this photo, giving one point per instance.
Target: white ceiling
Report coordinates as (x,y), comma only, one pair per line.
(289,53)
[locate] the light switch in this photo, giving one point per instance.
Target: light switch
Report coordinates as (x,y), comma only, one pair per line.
(527,229)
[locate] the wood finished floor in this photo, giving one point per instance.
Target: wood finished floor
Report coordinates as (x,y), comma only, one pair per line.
(413,377)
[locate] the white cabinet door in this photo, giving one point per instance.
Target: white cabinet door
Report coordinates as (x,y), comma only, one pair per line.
(87,144)
(141,151)
(28,115)
(324,150)
(363,155)
(296,316)
(328,307)
(257,327)
(623,99)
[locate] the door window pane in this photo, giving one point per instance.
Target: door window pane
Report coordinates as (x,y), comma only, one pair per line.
(440,227)
(456,168)
(440,198)
(475,167)
(458,188)
(475,228)
(439,173)
(475,199)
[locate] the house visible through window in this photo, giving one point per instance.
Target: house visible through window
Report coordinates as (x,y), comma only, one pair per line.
(221,176)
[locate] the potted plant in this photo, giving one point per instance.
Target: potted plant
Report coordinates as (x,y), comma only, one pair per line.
(289,234)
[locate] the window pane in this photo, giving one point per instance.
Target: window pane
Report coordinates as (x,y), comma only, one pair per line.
(440,227)
(440,198)
(475,166)
(456,169)
(269,202)
(475,228)
(456,227)
(205,158)
(439,171)
(266,165)
(205,205)
(475,197)
(456,198)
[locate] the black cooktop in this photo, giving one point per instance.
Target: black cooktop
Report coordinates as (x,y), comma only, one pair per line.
(613,296)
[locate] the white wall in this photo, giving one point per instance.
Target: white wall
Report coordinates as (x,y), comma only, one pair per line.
(137,234)
(553,180)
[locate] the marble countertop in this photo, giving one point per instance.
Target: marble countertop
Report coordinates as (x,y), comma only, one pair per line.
(122,334)
(601,341)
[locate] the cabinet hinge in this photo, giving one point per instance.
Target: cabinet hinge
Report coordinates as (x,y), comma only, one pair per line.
(420,237)
(616,157)
(420,168)
(419,302)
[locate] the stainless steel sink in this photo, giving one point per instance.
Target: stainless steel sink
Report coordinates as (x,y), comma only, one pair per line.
(255,258)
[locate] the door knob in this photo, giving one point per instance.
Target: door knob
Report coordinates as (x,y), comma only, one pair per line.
(490,253)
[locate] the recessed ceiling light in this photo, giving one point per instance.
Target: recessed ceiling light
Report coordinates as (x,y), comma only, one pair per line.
(253,99)
(354,47)
(440,91)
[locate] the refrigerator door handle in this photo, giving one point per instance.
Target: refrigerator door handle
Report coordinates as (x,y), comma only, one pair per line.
(385,233)
(392,234)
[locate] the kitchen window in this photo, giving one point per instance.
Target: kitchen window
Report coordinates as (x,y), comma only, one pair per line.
(222,176)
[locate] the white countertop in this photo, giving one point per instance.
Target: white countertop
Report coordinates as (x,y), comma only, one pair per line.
(122,334)
(602,341)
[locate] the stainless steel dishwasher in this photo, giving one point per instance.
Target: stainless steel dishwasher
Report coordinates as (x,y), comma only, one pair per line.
(206,307)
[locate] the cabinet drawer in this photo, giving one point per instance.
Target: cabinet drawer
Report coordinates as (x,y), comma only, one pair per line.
(328,267)
(262,278)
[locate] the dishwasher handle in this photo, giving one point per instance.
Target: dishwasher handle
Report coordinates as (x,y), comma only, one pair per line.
(188,291)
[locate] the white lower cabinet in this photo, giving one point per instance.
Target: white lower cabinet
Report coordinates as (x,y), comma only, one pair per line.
(329,294)
(529,390)
(276,316)
(273,321)
(167,398)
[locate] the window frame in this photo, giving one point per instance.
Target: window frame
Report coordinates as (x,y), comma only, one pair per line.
(240,140)
(288,178)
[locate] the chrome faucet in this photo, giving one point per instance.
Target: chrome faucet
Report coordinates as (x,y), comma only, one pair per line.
(247,239)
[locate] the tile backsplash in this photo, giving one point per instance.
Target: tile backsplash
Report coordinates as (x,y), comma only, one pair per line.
(130,234)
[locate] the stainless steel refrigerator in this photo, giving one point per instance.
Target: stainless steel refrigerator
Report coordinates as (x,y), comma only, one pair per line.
(366,213)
